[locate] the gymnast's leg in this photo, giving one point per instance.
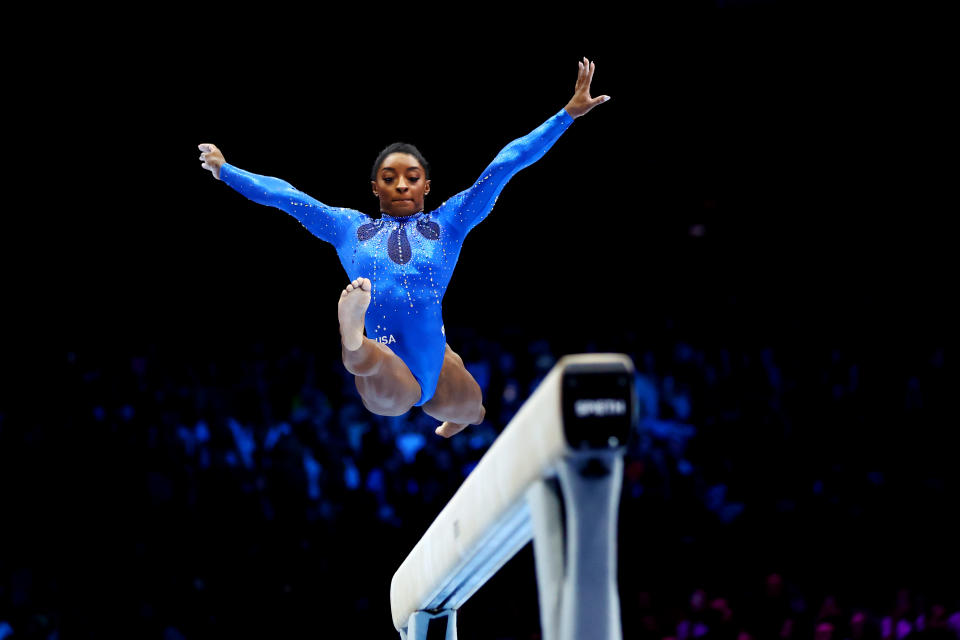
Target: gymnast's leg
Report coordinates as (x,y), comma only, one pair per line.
(458,400)
(384,381)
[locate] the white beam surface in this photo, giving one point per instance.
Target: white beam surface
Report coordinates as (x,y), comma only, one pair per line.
(487,521)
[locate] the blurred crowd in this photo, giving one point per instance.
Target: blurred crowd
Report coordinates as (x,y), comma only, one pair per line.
(203,490)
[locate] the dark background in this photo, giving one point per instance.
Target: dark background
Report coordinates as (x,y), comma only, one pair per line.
(748,186)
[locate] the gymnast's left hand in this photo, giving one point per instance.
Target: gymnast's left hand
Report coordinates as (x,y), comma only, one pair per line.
(581,102)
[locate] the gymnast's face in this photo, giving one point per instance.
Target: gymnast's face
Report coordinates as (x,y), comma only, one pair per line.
(401,185)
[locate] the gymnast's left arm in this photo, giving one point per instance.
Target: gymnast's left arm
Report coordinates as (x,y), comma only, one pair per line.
(476,202)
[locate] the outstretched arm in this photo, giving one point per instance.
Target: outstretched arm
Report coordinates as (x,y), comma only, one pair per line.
(475,203)
(327,223)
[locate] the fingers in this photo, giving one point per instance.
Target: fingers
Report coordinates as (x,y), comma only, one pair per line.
(210,158)
(207,150)
(584,75)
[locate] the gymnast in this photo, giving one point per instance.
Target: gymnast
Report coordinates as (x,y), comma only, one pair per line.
(399,265)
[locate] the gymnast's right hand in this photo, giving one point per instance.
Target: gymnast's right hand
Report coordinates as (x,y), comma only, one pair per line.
(212,159)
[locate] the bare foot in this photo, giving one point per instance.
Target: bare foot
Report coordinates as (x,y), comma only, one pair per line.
(351,310)
(448,429)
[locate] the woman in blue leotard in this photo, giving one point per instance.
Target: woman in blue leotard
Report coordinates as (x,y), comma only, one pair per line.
(391,325)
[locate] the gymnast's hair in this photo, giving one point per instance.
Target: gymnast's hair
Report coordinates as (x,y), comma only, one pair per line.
(400,147)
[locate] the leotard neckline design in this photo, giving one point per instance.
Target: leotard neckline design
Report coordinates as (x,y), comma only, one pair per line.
(398,244)
(412,216)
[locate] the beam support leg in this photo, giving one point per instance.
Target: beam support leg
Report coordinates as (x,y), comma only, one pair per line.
(575,547)
(420,621)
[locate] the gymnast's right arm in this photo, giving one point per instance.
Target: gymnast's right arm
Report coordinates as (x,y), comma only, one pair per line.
(327,223)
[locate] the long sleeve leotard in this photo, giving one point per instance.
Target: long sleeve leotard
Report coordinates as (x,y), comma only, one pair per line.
(409,260)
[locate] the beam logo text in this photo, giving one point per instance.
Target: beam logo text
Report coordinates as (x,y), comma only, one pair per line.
(600,408)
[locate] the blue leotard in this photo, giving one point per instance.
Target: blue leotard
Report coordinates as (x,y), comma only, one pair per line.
(409,260)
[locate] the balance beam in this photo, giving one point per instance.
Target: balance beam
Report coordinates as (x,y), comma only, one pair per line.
(565,444)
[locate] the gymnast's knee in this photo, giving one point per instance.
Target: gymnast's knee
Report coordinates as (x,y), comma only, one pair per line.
(483,413)
(391,411)
(473,411)
(385,406)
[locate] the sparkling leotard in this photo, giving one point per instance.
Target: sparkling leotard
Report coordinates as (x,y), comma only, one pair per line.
(409,260)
